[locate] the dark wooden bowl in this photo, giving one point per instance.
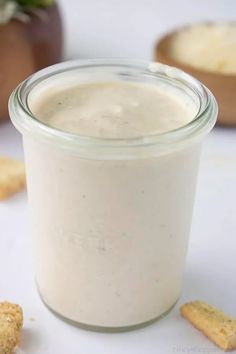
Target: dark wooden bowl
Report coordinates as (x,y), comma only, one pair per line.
(26,48)
(222,86)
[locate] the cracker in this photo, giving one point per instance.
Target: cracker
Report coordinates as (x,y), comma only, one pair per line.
(12,176)
(212,322)
(12,310)
(11,321)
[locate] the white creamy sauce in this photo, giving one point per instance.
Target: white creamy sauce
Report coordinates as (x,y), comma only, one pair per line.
(110,236)
(113,110)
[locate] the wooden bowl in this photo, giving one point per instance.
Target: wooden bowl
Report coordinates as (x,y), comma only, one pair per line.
(222,86)
(26,48)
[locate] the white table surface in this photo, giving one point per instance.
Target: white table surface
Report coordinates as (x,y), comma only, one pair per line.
(106,28)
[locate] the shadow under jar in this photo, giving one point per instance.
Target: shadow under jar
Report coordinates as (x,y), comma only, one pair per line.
(111,217)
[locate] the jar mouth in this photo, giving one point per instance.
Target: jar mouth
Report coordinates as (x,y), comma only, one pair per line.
(26,122)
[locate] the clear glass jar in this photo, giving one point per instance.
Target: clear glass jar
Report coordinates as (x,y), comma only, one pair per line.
(111,217)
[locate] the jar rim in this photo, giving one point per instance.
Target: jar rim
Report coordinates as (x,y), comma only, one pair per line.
(202,123)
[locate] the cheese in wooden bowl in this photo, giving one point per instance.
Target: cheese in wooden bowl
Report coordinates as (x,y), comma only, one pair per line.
(208,52)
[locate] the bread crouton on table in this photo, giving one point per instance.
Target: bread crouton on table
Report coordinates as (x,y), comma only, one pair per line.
(11,321)
(12,176)
(218,327)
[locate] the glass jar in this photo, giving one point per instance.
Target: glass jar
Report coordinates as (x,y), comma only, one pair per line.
(111,217)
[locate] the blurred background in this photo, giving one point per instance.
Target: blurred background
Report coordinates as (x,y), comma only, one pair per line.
(130,28)
(38,33)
